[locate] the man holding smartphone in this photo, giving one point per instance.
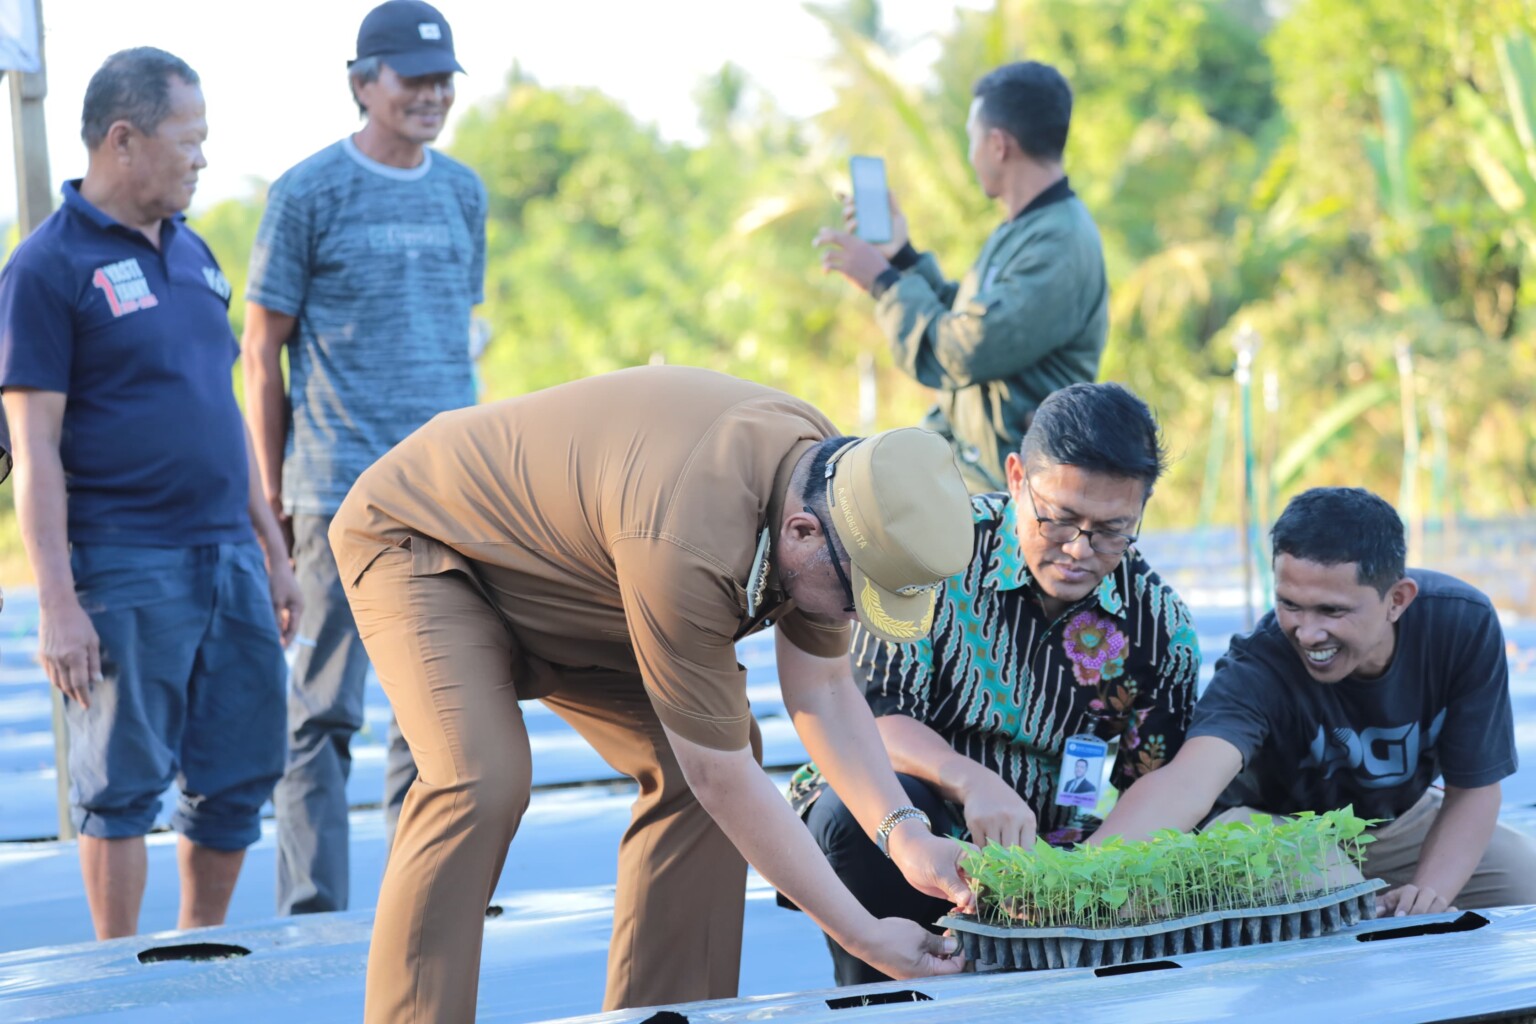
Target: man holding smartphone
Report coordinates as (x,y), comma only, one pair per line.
(1031,316)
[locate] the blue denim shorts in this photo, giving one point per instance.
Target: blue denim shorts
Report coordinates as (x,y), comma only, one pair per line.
(193,692)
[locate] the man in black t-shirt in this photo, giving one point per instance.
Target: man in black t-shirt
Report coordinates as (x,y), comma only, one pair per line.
(1366,683)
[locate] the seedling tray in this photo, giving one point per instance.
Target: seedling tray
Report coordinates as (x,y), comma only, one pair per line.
(993,948)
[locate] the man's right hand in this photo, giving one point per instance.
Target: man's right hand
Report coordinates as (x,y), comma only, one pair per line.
(994,811)
(931,864)
(69,649)
(905,949)
(898,225)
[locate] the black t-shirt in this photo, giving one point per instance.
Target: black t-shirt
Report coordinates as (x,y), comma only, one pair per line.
(1441,708)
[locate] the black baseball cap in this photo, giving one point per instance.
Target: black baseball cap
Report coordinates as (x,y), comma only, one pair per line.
(410,36)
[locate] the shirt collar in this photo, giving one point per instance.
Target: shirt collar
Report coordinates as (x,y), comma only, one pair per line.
(1058,191)
(1007,569)
(84,207)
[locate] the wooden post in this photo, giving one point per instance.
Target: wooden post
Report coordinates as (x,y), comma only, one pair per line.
(1408,495)
(1246,343)
(34,183)
(869,400)
(34,202)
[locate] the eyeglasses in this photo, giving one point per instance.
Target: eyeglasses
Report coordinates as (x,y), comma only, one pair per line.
(837,561)
(1105,542)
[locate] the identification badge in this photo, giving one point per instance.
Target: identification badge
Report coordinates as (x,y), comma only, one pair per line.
(1082,766)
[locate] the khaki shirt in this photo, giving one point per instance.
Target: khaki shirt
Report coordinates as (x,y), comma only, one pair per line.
(613,523)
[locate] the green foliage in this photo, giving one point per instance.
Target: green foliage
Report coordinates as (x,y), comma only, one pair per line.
(1229,866)
(1504,155)
(1343,178)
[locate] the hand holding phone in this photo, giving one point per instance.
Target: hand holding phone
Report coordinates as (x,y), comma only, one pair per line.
(871,199)
(871,212)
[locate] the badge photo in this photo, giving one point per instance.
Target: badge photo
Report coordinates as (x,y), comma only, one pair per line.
(1082,768)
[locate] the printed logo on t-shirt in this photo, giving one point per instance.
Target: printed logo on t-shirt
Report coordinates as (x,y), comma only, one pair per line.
(124,285)
(408,238)
(1379,757)
(430,30)
(218,282)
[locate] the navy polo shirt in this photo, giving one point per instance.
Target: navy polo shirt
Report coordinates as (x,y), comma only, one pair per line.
(138,339)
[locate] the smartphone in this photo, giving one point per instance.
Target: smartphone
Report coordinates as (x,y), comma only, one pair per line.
(871,198)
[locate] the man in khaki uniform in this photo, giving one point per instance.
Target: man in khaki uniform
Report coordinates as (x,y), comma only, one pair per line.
(602,546)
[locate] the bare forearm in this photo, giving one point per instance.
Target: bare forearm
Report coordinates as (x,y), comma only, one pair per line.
(1178,795)
(42,514)
(263,519)
(916,749)
(266,399)
(1457,840)
(755,817)
(1157,801)
(839,733)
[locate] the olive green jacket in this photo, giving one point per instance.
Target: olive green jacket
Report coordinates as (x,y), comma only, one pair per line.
(1030,317)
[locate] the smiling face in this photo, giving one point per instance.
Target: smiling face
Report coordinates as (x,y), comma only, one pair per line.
(1065,573)
(1338,626)
(410,110)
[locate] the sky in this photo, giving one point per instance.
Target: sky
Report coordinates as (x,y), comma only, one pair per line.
(274,71)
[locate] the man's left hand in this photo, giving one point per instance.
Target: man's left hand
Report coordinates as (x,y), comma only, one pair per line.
(931,863)
(1408,900)
(850,256)
(286,602)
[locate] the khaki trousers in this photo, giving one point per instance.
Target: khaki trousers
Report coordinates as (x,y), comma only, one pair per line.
(1505,877)
(446,660)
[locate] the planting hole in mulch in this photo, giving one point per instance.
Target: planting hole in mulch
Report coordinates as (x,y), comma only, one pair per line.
(193,951)
(665,1017)
(1136,968)
(1467,922)
(905,995)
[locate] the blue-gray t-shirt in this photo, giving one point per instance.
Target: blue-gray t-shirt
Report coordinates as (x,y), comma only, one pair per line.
(1441,709)
(380,265)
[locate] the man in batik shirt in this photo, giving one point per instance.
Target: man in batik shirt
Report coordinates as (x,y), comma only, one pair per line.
(1057,645)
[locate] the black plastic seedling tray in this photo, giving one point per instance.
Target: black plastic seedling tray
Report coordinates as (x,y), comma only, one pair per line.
(994,948)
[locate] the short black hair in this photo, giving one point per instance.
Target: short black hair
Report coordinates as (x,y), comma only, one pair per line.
(134,86)
(1102,428)
(1340,525)
(1031,102)
(1081,762)
(816,479)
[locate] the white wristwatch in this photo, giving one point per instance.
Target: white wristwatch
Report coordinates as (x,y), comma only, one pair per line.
(896,817)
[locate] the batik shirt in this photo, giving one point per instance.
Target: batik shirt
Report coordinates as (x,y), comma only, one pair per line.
(1006,685)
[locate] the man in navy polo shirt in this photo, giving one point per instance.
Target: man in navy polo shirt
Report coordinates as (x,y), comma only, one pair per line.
(161,621)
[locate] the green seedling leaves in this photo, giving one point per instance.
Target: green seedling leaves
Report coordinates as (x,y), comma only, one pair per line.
(1262,862)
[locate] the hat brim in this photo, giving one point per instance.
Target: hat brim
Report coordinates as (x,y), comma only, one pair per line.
(897,618)
(421,62)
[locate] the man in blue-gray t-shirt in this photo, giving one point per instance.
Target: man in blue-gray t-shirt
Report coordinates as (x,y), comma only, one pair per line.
(368,261)
(1366,683)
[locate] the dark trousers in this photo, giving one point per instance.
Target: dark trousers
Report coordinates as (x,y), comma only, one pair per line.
(872,878)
